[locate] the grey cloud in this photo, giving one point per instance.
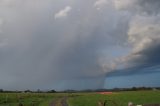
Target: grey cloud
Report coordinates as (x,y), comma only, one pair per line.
(143,38)
(150,54)
(150,6)
(48,53)
(144,35)
(63,13)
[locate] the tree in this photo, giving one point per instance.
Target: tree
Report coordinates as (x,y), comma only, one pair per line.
(27,91)
(1,90)
(52,91)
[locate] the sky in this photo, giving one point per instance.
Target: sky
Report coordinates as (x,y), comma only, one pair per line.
(79,44)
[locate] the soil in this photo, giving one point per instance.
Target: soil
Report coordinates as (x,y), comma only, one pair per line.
(53,103)
(63,102)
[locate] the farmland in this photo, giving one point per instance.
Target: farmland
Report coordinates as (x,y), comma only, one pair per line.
(117,99)
(27,99)
(79,99)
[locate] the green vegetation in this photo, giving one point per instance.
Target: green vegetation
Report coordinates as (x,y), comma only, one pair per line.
(27,99)
(116,99)
(80,99)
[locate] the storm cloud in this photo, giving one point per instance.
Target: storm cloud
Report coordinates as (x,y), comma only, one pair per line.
(72,44)
(143,37)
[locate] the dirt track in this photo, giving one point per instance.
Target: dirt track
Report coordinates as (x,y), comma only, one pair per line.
(64,101)
(60,102)
(53,103)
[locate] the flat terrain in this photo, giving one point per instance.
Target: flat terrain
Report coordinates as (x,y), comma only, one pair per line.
(117,98)
(79,99)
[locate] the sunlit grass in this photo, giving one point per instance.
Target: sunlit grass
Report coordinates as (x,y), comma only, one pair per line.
(119,99)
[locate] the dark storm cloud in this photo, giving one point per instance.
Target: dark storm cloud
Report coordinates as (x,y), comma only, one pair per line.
(151,53)
(144,37)
(147,37)
(56,44)
(148,61)
(71,44)
(150,6)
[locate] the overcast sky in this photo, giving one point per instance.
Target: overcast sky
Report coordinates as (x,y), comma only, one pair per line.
(79,44)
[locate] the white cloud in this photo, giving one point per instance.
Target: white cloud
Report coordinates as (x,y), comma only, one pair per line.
(123,4)
(99,3)
(143,31)
(143,34)
(63,13)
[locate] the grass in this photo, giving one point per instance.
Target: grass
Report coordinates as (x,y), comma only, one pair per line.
(27,99)
(121,98)
(79,99)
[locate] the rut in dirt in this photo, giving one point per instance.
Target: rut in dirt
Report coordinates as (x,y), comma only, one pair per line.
(63,102)
(53,103)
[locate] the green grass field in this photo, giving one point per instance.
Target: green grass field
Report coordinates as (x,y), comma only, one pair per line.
(116,99)
(27,99)
(80,99)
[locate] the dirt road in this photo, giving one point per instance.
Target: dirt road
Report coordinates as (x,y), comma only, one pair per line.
(59,102)
(64,101)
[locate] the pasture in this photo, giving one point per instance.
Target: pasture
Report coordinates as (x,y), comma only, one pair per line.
(79,99)
(26,99)
(116,99)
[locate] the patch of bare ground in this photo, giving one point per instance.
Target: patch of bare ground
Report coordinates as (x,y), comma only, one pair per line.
(64,101)
(59,102)
(53,103)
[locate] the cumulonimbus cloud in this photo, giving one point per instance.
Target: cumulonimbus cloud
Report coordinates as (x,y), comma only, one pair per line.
(143,35)
(76,53)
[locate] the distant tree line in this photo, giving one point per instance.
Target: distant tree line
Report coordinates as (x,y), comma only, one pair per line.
(136,89)
(128,89)
(87,90)
(27,91)
(113,90)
